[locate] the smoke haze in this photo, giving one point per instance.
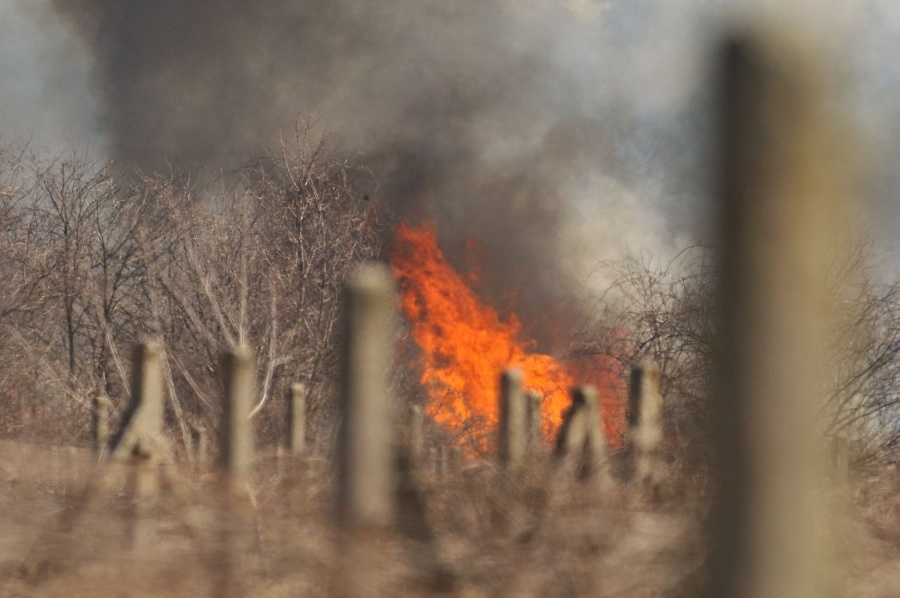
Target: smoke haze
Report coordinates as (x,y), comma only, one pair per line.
(470,112)
(554,134)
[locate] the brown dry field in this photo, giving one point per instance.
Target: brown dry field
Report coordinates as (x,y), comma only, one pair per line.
(68,529)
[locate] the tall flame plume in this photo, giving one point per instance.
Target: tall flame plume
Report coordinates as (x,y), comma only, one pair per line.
(465,343)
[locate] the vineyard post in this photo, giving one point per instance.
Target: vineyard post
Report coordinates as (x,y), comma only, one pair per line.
(200,444)
(513,414)
(139,443)
(581,442)
(238,370)
(534,422)
(365,452)
(100,422)
(236,429)
(296,418)
(141,430)
(366,458)
(645,423)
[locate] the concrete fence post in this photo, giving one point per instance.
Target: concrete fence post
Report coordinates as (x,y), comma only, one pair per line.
(368,483)
(141,430)
(581,443)
(512,438)
(236,427)
(100,422)
(645,423)
(238,371)
(139,443)
(200,444)
(534,422)
(596,462)
(297,418)
(365,454)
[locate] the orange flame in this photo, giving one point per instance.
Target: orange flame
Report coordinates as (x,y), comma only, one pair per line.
(466,344)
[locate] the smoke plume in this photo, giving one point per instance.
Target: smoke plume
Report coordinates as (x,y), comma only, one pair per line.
(471,113)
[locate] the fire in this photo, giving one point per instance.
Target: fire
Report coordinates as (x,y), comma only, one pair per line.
(465,344)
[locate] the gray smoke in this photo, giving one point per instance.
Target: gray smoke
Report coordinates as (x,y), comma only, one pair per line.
(472,113)
(45,99)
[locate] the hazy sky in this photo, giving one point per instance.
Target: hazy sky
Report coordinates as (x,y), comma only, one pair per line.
(640,65)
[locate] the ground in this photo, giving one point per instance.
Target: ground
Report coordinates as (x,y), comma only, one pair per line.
(73,529)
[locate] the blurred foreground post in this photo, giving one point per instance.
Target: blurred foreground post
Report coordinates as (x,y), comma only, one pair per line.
(365,484)
(513,421)
(645,423)
(780,178)
(296,418)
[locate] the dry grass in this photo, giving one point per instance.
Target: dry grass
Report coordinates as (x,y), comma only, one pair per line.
(67,531)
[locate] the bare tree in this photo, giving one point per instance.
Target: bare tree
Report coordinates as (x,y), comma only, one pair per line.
(664,310)
(94,262)
(258,262)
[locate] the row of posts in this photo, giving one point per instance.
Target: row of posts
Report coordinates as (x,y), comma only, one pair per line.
(366,453)
(366,438)
(102,407)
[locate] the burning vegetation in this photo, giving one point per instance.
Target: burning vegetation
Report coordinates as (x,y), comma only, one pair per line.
(464,342)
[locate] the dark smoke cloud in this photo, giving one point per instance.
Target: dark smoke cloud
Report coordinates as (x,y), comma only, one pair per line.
(467,110)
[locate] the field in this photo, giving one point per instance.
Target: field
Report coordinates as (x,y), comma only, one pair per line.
(72,529)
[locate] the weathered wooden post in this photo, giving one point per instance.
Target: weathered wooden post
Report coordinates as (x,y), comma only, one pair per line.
(297,418)
(100,422)
(581,442)
(512,438)
(534,422)
(365,463)
(781,172)
(645,423)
